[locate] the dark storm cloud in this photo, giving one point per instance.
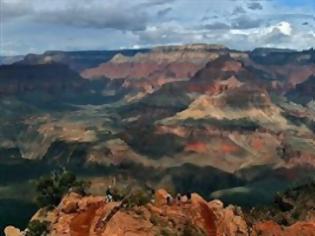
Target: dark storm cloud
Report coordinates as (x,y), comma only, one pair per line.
(164,12)
(255,6)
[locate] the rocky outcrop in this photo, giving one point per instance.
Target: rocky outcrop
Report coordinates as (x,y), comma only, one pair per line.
(229,220)
(84,216)
(159,66)
(275,69)
(12,231)
(303,93)
(189,214)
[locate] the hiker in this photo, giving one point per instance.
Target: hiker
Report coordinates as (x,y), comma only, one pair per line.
(169,199)
(188,196)
(178,198)
(109,194)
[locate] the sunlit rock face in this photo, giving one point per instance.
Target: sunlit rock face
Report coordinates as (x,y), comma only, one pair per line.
(77,215)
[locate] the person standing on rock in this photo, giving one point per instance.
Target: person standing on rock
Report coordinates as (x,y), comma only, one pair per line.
(109,194)
(169,200)
(178,198)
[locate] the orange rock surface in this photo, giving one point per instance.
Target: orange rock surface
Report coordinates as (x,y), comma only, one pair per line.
(270,228)
(93,216)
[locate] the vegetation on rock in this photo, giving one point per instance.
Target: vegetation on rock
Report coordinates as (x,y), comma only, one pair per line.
(37,228)
(50,189)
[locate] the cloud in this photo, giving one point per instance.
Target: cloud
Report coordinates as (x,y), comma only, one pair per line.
(169,34)
(37,25)
(254,6)
(150,3)
(284,27)
(238,10)
(79,13)
(276,36)
(205,18)
(113,17)
(217,26)
(10,10)
(164,12)
(245,22)
(208,18)
(279,35)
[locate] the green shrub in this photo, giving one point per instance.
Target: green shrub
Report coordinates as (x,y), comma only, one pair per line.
(50,189)
(138,198)
(37,228)
(191,230)
(166,232)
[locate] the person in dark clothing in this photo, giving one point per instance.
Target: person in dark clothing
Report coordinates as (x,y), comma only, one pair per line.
(109,194)
(169,200)
(178,199)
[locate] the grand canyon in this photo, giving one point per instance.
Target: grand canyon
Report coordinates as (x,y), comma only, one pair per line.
(233,126)
(144,118)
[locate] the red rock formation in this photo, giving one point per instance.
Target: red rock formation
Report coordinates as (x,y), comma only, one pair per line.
(199,147)
(159,66)
(84,216)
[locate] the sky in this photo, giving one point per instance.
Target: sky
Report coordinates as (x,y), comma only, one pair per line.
(35,26)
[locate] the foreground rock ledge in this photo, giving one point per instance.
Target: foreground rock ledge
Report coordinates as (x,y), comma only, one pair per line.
(90,215)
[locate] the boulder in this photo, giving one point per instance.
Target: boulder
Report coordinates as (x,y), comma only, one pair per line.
(70,203)
(12,231)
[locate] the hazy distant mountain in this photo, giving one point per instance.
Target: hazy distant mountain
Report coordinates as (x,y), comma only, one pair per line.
(77,60)
(6,60)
